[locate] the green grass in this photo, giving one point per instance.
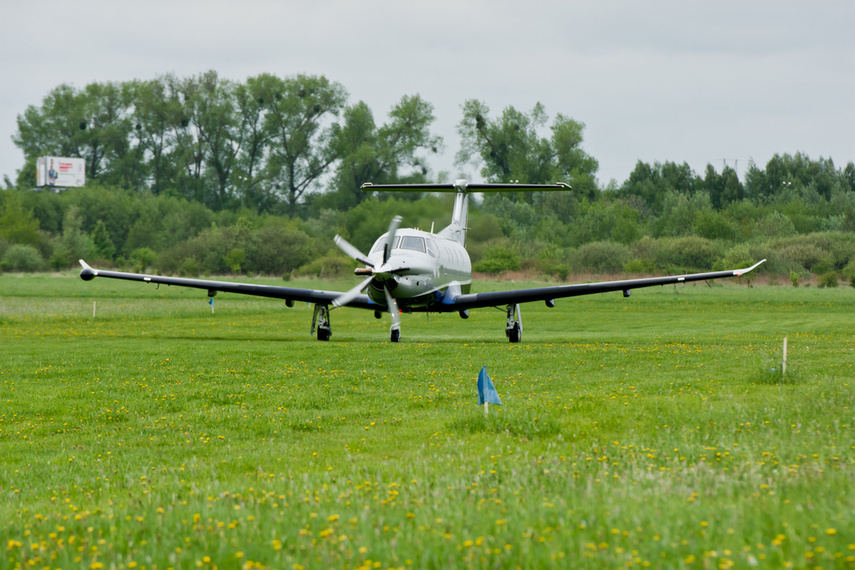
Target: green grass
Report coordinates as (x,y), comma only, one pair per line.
(651,431)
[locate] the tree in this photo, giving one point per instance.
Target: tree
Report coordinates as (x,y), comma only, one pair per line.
(210,103)
(723,188)
(385,155)
(17,224)
(302,150)
(511,147)
(249,173)
(91,124)
(157,110)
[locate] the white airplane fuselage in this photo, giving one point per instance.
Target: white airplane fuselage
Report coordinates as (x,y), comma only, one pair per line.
(421,266)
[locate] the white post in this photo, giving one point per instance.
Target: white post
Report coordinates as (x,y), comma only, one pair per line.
(784,363)
(93,309)
(486,408)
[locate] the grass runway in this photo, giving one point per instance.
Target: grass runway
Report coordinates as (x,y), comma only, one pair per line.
(655,431)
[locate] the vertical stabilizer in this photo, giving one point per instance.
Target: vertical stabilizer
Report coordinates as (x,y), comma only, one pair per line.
(456,230)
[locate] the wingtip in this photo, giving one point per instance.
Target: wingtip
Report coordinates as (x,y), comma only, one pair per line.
(87,273)
(740,272)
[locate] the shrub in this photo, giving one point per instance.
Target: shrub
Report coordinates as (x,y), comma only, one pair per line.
(20,257)
(828,279)
(329,266)
(142,257)
(602,257)
(498,258)
(848,272)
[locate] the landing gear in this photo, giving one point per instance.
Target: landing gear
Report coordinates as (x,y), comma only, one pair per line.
(513,330)
(396,335)
(321,318)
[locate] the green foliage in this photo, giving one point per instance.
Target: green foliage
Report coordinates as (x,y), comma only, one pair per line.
(22,257)
(601,257)
(497,258)
(828,279)
(511,148)
(235,259)
(331,266)
(142,258)
(684,254)
(195,168)
(103,245)
(17,224)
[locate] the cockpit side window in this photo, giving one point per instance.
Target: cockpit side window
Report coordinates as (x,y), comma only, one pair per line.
(433,250)
(414,243)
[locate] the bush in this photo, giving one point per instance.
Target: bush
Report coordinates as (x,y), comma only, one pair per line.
(498,258)
(849,272)
(142,258)
(328,267)
(602,257)
(828,279)
(21,257)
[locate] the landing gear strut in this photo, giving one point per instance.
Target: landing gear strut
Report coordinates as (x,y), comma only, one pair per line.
(513,330)
(321,318)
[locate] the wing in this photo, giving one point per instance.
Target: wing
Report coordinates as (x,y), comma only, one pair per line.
(289,294)
(513,297)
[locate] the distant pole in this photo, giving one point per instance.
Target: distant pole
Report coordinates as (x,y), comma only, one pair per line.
(93,309)
(784,363)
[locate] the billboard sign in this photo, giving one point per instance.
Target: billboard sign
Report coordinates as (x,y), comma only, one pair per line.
(57,172)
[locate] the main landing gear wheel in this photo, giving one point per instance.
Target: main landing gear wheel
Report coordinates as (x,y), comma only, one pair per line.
(396,335)
(513,330)
(514,333)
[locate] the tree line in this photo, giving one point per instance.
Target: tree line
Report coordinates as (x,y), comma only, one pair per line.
(261,144)
(205,175)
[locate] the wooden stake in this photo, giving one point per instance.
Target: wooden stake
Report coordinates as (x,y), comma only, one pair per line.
(784,363)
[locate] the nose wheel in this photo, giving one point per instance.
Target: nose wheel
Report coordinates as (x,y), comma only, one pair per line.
(321,322)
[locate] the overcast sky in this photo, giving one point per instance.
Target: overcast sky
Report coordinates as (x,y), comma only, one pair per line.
(682,81)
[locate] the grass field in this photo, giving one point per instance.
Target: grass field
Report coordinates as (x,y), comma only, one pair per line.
(651,431)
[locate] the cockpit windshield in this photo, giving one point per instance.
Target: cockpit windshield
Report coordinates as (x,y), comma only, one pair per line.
(414,243)
(381,241)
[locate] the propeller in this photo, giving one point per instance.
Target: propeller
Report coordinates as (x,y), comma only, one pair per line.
(382,274)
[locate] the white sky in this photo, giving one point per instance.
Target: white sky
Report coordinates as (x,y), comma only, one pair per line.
(658,80)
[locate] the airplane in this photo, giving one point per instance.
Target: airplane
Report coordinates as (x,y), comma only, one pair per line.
(410,270)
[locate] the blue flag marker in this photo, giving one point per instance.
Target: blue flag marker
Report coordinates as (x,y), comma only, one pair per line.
(487,393)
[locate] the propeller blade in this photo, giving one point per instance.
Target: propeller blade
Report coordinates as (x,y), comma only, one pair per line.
(349,296)
(350,250)
(390,239)
(392,305)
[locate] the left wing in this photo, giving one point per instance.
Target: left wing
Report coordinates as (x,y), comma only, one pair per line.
(288,294)
(478,300)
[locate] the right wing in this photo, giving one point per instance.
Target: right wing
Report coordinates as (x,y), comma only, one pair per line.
(289,294)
